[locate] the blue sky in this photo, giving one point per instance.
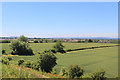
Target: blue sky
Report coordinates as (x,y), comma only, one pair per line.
(60,19)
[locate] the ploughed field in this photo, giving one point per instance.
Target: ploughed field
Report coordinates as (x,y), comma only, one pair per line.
(91,59)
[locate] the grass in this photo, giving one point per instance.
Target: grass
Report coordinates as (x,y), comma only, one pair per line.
(40,47)
(14,71)
(91,60)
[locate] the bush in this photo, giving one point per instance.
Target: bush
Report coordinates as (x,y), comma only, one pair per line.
(54,71)
(5,61)
(46,61)
(4,53)
(27,64)
(63,72)
(35,41)
(50,51)
(99,75)
(75,71)
(58,47)
(9,58)
(13,52)
(20,48)
(21,61)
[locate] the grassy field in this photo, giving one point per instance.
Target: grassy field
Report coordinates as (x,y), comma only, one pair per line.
(40,47)
(91,60)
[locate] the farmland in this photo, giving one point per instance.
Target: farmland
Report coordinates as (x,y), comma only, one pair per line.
(40,47)
(91,60)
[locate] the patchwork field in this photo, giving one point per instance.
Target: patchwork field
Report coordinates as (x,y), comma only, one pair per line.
(91,60)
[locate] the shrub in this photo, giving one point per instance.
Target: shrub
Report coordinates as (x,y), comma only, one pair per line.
(13,52)
(63,72)
(99,75)
(47,61)
(5,61)
(51,51)
(35,65)
(75,71)
(54,71)
(3,51)
(58,47)
(27,64)
(21,61)
(21,48)
(35,41)
(9,58)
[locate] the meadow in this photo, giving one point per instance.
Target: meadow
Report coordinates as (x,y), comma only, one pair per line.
(91,60)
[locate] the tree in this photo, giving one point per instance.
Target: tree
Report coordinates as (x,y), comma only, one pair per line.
(47,61)
(21,48)
(23,38)
(58,47)
(36,41)
(75,71)
(90,40)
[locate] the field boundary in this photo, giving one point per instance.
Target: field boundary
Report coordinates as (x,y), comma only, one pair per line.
(80,49)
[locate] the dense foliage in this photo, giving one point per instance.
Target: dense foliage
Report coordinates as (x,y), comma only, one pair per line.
(20,48)
(58,47)
(47,61)
(100,75)
(75,71)
(21,61)
(23,38)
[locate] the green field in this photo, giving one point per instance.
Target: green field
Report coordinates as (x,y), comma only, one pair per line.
(40,47)
(91,60)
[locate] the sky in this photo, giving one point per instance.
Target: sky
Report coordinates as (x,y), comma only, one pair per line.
(60,19)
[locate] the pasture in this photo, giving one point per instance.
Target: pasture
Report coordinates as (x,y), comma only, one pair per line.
(91,60)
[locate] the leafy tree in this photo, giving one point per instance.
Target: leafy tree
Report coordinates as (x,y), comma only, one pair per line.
(47,61)
(75,71)
(90,40)
(23,38)
(21,48)
(36,41)
(58,47)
